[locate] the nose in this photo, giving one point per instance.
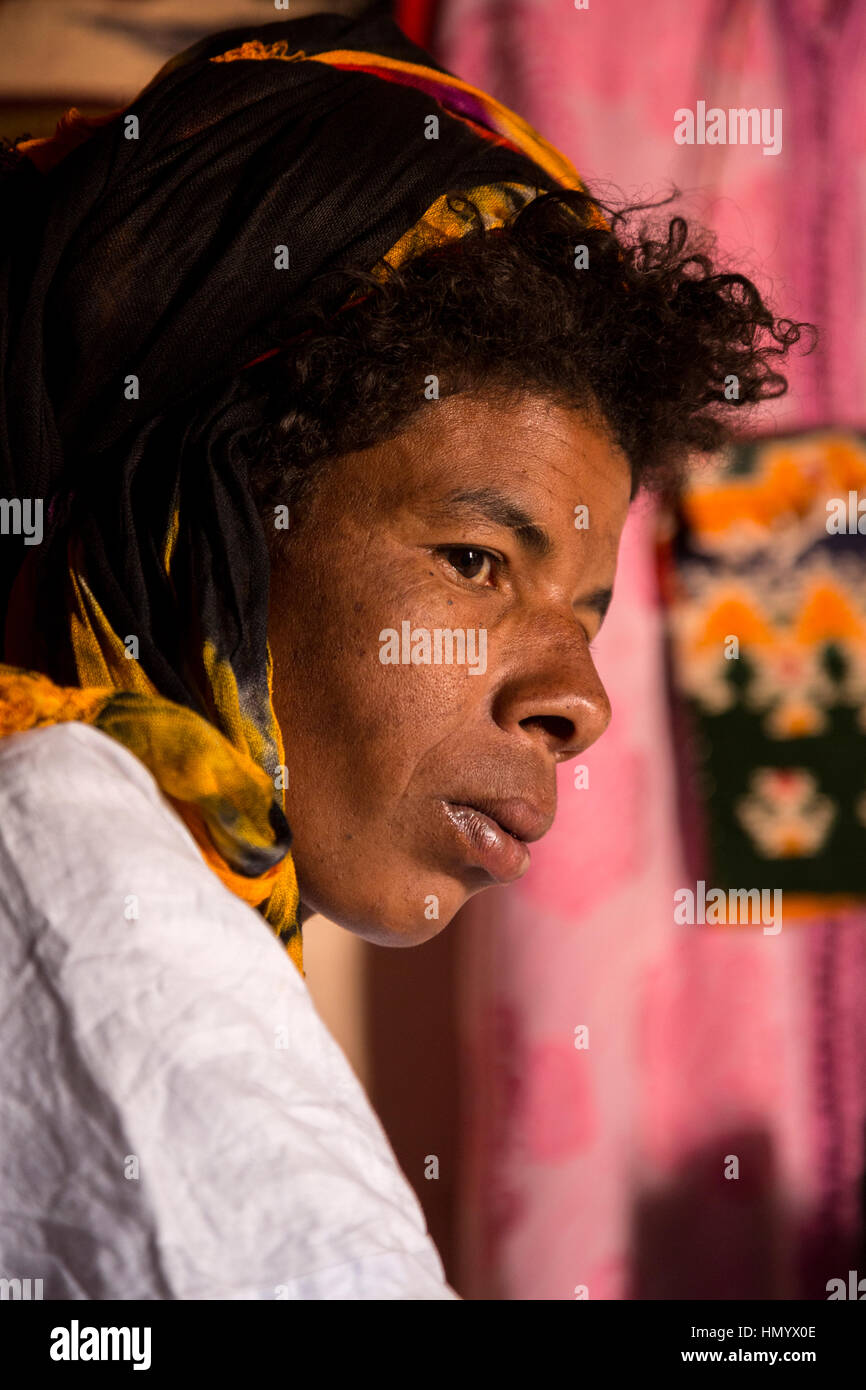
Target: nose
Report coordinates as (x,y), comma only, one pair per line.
(553,693)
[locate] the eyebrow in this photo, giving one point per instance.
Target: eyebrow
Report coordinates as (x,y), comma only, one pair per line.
(489,504)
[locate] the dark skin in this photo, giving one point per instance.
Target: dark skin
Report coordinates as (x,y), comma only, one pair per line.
(413,787)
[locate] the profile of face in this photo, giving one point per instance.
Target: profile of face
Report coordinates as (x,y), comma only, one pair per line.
(431,620)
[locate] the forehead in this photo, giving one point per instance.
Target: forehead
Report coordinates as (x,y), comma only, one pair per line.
(547,458)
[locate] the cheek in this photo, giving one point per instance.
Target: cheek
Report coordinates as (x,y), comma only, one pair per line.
(361,733)
(368,725)
(350,724)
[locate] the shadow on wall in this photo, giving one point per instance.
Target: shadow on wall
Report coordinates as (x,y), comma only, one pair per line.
(412,1049)
(705,1236)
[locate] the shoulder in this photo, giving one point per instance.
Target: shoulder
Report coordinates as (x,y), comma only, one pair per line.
(70,794)
(90,849)
(61,751)
(178,1121)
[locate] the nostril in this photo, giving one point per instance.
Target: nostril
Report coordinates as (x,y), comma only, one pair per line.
(553,724)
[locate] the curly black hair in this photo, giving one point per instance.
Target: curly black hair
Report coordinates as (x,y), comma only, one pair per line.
(642,327)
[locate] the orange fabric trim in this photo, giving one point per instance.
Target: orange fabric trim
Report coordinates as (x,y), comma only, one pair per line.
(72,130)
(254,48)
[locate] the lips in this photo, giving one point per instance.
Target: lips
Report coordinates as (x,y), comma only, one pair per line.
(493,834)
(522,819)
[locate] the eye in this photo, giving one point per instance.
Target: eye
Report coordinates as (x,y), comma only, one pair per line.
(472,564)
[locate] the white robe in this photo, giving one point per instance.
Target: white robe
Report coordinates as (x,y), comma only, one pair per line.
(176,1122)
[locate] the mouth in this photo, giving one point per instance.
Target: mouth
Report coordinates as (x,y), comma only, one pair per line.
(494,835)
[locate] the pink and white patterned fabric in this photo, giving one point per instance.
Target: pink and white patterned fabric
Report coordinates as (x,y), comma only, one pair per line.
(615,1060)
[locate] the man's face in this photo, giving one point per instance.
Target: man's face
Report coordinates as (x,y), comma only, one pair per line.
(415,783)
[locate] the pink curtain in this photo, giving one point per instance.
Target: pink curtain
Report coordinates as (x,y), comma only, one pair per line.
(594,1161)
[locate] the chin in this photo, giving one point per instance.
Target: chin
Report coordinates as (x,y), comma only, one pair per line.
(383,932)
(410,935)
(391,925)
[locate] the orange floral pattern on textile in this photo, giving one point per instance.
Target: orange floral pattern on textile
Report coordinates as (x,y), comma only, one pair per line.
(767,617)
